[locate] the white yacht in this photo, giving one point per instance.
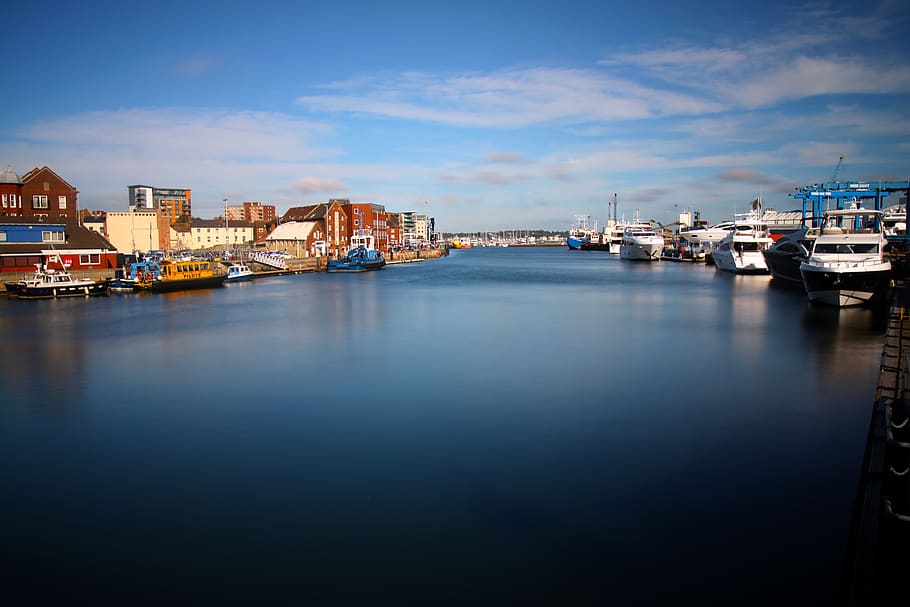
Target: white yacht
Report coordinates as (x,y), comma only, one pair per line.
(847,266)
(741,251)
(640,241)
(700,234)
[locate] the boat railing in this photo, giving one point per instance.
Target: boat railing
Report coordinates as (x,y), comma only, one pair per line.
(846,262)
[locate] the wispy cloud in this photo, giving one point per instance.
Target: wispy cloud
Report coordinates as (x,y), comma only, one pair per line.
(311,185)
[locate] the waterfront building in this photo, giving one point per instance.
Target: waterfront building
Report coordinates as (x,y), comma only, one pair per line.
(174,203)
(415,228)
(370,217)
(40,194)
(327,234)
(394,228)
(220,233)
(28,241)
(138,230)
(10,193)
(251,211)
(181,237)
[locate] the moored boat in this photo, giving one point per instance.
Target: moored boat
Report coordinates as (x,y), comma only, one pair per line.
(362,256)
(49,282)
(180,276)
(788,252)
(640,242)
(741,250)
(847,266)
(239,272)
(124,280)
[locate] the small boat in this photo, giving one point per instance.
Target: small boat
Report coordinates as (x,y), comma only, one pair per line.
(180,276)
(49,282)
(789,251)
(741,250)
(847,266)
(124,280)
(362,256)
(239,272)
(640,242)
(457,243)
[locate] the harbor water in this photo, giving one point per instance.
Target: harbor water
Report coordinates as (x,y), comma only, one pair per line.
(502,425)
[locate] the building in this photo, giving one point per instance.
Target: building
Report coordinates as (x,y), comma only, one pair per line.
(28,241)
(138,230)
(181,236)
(220,234)
(10,193)
(368,217)
(174,203)
(251,211)
(326,234)
(394,228)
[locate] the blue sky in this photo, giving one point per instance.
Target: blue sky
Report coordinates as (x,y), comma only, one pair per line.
(489,115)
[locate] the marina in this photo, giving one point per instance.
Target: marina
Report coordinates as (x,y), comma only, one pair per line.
(475,471)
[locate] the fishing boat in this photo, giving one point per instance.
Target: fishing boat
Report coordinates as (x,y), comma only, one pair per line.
(361,257)
(239,272)
(49,282)
(640,242)
(180,276)
(741,251)
(847,266)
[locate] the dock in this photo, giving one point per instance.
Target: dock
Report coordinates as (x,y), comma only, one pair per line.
(878,550)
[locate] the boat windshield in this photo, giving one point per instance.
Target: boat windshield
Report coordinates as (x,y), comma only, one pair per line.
(841,248)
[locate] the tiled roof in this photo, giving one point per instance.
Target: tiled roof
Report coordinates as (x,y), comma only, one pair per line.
(293,230)
(77,237)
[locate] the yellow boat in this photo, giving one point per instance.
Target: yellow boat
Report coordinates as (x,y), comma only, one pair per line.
(457,244)
(181,275)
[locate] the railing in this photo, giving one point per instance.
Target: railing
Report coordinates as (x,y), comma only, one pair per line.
(273,260)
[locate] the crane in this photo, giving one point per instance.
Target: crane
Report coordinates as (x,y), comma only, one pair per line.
(839,167)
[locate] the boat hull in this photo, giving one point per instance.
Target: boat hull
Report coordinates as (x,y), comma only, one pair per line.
(74,289)
(641,252)
(784,266)
(340,265)
(184,284)
(596,246)
(745,262)
(844,287)
(575,244)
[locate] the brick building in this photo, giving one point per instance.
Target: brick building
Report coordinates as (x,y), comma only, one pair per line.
(40,194)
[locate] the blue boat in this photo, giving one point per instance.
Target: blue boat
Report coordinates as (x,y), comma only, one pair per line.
(125,281)
(362,257)
(239,272)
(580,235)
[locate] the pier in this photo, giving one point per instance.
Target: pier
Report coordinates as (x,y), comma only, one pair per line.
(878,551)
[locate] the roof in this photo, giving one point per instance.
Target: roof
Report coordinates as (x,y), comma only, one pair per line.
(7,175)
(306,213)
(36,171)
(293,230)
(77,236)
(181,226)
(219,223)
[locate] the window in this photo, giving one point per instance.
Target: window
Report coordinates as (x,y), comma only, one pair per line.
(39,202)
(48,236)
(61,201)
(4,200)
(2,236)
(92,259)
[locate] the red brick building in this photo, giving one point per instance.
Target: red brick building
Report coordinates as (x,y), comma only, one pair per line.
(329,232)
(46,195)
(367,216)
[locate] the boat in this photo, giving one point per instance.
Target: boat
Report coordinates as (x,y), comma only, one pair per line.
(361,257)
(239,272)
(788,252)
(457,243)
(699,234)
(740,251)
(640,241)
(49,282)
(124,281)
(180,275)
(580,235)
(847,266)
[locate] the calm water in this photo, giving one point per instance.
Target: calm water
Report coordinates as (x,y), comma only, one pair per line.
(502,425)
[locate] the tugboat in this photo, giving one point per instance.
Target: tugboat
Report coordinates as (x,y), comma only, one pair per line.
(48,282)
(362,256)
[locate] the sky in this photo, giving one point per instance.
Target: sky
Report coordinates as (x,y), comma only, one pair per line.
(486,115)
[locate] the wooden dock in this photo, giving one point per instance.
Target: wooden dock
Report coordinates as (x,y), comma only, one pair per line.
(878,552)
